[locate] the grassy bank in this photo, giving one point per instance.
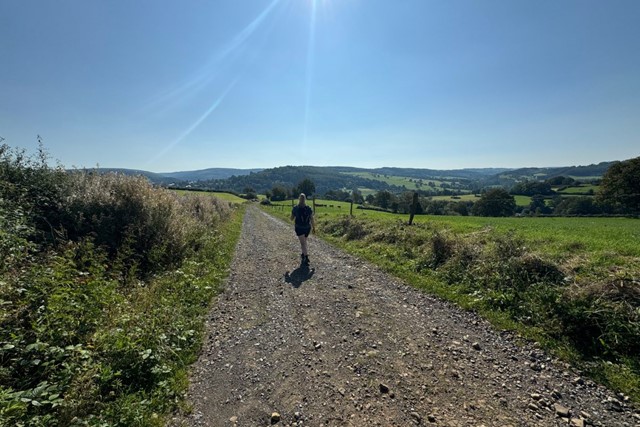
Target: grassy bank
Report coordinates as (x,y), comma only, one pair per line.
(572,284)
(104,286)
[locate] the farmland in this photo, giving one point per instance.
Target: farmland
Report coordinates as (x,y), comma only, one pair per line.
(598,236)
(439,184)
(399,181)
(227,197)
(582,189)
(520,200)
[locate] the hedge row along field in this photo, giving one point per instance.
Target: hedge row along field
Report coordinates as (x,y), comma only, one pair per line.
(104,284)
(572,284)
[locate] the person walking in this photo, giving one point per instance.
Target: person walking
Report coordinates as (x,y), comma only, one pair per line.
(304,224)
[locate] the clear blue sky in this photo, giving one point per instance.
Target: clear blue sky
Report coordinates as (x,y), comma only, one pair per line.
(184,85)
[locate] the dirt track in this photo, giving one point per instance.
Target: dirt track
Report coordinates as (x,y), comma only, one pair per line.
(344,344)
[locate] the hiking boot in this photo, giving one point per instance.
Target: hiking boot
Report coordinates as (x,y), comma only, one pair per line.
(306,260)
(302,259)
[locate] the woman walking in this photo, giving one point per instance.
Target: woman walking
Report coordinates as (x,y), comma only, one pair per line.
(304,224)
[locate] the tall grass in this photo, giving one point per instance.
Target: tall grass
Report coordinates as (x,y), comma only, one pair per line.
(103,289)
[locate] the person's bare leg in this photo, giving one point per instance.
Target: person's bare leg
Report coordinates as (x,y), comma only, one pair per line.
(303,244)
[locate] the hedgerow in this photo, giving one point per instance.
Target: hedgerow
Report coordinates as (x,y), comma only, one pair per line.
(104,282)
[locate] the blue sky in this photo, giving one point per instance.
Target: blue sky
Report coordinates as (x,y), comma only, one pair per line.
(168,86)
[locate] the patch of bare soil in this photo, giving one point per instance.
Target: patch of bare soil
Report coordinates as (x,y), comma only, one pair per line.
(343,344)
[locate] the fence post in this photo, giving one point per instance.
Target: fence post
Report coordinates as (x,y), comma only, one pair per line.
(414,207)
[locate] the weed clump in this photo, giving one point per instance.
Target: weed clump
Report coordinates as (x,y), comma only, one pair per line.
(439,249)
(603,318)
(346,227)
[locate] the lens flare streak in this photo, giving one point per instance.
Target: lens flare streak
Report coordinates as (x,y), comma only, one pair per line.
(207,72)
(310,67)
(197,123)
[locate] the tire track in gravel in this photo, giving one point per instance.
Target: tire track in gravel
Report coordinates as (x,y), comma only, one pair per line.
(344,344)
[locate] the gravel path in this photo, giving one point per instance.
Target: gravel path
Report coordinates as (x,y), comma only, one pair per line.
(343,344)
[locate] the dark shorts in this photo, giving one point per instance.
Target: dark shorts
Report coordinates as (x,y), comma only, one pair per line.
(303,230)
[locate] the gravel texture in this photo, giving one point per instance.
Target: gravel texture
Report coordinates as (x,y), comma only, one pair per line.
(341,343)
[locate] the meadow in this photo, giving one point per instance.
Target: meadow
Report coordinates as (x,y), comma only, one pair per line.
(228,197)
(582,189)
(572,284)
(403,181)
(522,201)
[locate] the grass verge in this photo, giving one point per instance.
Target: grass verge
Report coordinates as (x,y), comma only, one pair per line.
(570,284)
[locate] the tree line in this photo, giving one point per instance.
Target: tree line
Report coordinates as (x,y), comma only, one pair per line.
(618,194)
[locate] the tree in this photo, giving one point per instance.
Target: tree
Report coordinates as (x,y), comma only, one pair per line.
(620,187)
(577,206)
(307,187)
(278,193)
(249,193)
(561,180)
(538,205)
(495,202)
(384,199)
(530,188)
(356,195)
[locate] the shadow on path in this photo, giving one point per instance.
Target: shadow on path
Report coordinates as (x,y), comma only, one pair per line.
(299,275)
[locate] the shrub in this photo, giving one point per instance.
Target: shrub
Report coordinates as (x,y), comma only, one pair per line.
(495,202)
(347,227)
(77,347)
(603,318)
(29,186)
(440,249)
(149,228)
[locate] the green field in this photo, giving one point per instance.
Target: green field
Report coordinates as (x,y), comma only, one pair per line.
(583,189)
(400,181)
(219,195)
(520,200)
(555,236)
(461,198)
(331,208)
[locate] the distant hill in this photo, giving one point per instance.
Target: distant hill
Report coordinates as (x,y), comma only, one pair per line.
(572,171)
(507,178)
(344,178)
(182,178)
(431,181)
(325,179)
(208,174)
(427,173)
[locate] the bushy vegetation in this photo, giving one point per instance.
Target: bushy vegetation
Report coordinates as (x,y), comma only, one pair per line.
(103,284)
(621,187)
(572,284)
